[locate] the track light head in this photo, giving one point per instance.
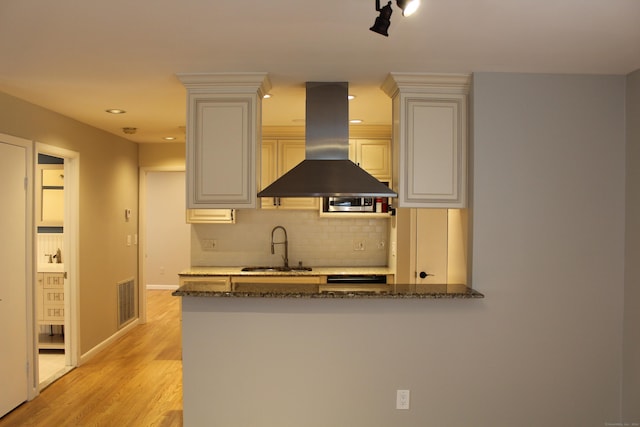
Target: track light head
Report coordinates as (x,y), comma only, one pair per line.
(384,20)
(408,6)
(381,26)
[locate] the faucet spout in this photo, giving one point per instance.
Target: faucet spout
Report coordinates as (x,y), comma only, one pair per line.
(57,256)
(285,242)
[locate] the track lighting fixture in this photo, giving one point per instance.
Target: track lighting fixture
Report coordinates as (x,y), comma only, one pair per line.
(381,26)
(384,20)
(408,6)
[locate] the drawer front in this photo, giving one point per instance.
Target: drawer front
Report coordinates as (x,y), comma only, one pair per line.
(211,284)
(53,280)
(276,279)
(53,296)
(53,313)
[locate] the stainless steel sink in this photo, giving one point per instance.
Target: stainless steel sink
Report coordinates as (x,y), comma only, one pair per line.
(275,269)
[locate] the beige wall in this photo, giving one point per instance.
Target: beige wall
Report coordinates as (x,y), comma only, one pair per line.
(167,156)
(108,186)
(631,367)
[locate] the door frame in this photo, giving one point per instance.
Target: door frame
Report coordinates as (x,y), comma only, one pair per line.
(71,242)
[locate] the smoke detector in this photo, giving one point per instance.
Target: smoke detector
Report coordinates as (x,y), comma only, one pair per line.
(129,131)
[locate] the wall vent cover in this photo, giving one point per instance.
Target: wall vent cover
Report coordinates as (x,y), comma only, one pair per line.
(126,302)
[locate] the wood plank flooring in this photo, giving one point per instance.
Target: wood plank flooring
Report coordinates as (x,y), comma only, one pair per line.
(137,381)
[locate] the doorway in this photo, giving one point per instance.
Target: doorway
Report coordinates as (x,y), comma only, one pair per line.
(56,220)
(162,219)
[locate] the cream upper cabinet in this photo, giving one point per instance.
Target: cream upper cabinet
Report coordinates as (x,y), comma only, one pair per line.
(430,138)
(223,132)
(372,155)
(278,157)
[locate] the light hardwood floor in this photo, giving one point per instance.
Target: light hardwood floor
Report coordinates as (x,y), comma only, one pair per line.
(137,381)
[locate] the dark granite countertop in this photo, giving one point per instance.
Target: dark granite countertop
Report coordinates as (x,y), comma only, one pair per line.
(417,292)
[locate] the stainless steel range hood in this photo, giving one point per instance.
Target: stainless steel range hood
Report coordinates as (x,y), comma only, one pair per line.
(327,170)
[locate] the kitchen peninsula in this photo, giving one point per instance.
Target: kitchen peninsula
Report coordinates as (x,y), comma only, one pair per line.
(259,348)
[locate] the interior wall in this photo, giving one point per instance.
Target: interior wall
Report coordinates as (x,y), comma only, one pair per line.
(164,155)
(108,186)
(544,348)
(548,238)
(165,222)
(631,370)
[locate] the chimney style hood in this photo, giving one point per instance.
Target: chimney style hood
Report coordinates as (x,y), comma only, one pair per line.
(327,170)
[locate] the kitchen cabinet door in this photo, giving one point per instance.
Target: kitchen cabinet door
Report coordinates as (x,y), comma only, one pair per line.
(269,172)
(432,246)
(290,154)
(430,138)
(223,130)
(372,155)
(279,157)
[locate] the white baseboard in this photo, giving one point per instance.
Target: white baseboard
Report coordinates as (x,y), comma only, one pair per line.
(97,349)
(151,287)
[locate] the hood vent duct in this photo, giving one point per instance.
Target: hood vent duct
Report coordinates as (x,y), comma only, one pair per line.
(327,170)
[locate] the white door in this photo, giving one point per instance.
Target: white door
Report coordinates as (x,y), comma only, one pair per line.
(13,275)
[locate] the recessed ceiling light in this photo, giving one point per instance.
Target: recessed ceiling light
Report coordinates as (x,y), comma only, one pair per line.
(115,111)
(350,97)
(266,96)
(169,138)
(355,121)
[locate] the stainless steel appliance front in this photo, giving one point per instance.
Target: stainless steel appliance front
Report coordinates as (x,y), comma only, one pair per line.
(349,204)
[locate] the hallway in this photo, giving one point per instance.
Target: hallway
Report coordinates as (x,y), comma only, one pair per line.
(137,381)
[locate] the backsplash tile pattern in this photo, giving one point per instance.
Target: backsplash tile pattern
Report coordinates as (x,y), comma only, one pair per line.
(49,243)
(313,240)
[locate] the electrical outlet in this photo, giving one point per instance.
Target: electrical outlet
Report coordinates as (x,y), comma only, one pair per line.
(402,399)
(209,244)
(358,245)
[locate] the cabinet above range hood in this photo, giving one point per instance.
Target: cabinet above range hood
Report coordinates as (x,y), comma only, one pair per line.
(327,170)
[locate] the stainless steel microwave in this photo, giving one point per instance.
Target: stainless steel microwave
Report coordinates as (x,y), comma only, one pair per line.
(349,204)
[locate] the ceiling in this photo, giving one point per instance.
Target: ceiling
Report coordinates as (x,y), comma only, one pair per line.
(79,57)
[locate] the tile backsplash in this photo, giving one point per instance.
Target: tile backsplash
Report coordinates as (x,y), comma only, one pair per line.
(313,240)
(49,243)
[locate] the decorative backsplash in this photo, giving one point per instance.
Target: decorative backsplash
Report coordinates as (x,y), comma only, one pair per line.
(316,241)
(49,244)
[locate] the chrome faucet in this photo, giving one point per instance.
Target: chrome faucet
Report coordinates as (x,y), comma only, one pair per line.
(58,256)
(285,257)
